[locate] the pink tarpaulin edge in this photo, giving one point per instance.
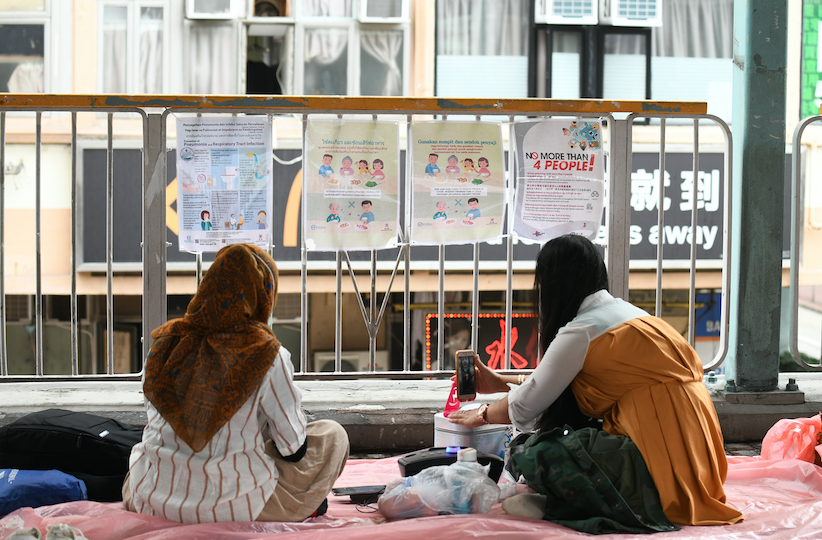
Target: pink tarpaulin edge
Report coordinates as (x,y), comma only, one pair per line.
(780,500)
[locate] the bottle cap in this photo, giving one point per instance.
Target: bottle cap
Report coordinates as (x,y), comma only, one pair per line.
(467,454)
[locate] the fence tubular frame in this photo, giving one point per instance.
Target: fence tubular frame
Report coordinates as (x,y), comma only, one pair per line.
(726,224)
(154,112)
(796,226)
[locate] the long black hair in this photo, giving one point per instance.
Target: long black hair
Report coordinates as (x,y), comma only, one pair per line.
(569,268)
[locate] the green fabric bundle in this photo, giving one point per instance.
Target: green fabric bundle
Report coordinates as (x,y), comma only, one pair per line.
(594,482)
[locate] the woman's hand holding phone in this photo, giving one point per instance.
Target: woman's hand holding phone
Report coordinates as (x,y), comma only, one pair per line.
(488,380)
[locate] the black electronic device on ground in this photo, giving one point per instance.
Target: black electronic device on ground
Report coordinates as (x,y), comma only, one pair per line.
(360,494)
(415,462)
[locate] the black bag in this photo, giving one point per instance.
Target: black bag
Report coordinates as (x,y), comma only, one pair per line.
(92,448)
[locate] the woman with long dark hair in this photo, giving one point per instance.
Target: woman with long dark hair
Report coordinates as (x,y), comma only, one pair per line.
(632,370)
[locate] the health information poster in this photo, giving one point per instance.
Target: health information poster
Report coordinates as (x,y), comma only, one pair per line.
(352,174)
(458,182)
(224,182)
(560,184)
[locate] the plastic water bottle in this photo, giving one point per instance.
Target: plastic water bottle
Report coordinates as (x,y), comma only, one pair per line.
(465,455)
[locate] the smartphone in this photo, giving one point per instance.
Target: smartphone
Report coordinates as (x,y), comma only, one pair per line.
(466,377)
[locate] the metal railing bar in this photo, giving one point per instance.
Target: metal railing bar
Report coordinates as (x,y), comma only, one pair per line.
(304,272)
(4,361)
(363,310)
(796,224)
(509,272)
(441,309)
(348,104)
(155,239)
(338,308)
(110,245)
(38,298)
(660,212)
(372,315)
(694,213)
(726,225)
(618,209)
(475,301)
(387,297)
(727,255)
(406,248)
(75,320)
(395,375)
(198,274)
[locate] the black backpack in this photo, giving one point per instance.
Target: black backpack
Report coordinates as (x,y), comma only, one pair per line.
(92,448)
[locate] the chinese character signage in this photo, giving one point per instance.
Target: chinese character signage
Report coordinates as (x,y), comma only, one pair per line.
(458,182)
(351,172)
(224,182)
(677,202)
(560,179)
(491,335)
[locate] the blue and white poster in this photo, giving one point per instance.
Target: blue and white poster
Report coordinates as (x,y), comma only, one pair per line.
(224,182)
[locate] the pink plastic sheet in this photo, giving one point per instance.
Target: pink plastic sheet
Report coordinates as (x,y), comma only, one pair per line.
(780,500)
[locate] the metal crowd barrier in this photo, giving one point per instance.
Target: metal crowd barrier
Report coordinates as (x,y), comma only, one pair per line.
(796,238)
(719,358)
(153,112)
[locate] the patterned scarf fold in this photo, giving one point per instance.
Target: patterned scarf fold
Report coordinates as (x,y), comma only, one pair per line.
(202,368)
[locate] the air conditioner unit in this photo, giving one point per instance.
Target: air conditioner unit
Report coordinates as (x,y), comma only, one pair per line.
(566,11)
(351,361)
(630,12)
(213,9)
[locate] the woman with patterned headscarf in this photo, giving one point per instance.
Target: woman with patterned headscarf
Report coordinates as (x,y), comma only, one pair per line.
(226,439)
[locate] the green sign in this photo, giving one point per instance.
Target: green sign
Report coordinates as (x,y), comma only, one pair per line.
(811,58)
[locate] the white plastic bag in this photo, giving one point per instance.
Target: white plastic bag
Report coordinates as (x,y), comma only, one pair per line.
(507,485)
(459,488)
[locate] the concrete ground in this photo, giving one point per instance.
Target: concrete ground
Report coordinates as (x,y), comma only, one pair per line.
(386,417)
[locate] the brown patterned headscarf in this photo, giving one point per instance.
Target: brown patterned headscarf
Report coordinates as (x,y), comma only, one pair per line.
(202,368)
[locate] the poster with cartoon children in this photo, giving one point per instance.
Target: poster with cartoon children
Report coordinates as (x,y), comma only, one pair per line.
(351,170)
(224,195)
(560,177)
(458,182)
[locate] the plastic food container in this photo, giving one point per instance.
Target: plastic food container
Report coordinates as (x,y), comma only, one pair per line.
(490,438)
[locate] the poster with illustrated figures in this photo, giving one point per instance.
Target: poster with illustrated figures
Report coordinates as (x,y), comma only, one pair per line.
(351,170)
(224,182)
(560,184)
(458,182)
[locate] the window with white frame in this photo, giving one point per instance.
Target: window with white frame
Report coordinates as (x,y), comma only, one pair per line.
(23,35)
(327,47)
(692,54)
(133,46)
(482,48)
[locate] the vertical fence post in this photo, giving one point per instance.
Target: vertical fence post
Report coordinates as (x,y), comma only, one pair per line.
(75,319)
(155,303)
(4,364)
(619,209)
(38,298)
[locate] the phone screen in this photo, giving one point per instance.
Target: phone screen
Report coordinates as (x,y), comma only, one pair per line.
(467,382)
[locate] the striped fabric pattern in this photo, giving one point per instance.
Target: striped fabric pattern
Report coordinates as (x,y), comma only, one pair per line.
(231,478)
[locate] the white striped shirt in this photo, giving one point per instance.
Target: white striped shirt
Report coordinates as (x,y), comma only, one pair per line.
(231,478)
